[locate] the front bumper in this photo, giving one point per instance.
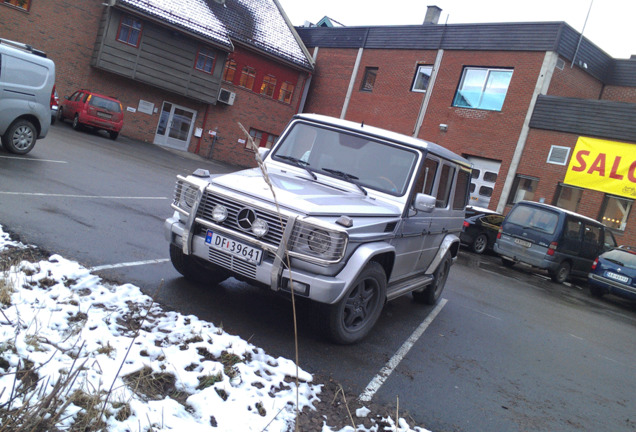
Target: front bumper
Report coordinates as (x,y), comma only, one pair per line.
(270,272)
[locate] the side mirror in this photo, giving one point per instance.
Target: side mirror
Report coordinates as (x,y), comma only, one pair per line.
(262,152)
(424,203)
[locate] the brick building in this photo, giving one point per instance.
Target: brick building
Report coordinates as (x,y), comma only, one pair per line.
(167,62)
(521,101)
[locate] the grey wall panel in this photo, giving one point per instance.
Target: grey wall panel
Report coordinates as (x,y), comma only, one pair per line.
(598,118)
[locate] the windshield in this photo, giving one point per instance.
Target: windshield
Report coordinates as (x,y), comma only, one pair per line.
(536,218)
(622,257)
(360,160)
(106,104)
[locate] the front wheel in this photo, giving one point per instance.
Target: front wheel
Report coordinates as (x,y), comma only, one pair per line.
(431,294)
(352,318)
(562,272)
(113,135)
(192,269)
(20,137)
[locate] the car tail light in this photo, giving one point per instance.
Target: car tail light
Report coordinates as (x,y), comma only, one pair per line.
(499,232)
(466,224)
(594,264)
(552,248)
(54,99)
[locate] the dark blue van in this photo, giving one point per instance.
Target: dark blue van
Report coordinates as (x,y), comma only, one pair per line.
(560,241)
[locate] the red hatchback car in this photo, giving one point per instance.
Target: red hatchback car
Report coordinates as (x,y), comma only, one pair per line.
(93,110)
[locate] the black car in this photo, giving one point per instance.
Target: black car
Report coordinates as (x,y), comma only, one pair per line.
(480,231)
(614,272)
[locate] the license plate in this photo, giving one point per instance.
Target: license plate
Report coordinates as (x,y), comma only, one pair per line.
(234,247)
(523,243)
(616,277)
(103,115)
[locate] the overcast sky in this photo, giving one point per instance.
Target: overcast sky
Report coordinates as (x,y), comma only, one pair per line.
(611,24)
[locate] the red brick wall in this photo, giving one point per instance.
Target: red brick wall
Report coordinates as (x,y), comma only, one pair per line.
(66,30)
(391,105)
(619,94)
(574,82)
(330,81)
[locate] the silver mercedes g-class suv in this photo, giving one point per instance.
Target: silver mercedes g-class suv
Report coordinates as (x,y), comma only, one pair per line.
(345,214)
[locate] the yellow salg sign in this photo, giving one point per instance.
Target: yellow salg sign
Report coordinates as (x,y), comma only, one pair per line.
(606,166)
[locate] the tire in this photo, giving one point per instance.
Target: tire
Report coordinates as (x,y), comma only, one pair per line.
(351,319)
(113,135)
(431,294)
(76,123)
(192,268)
(60,115)
(20,137)
(562,272)
(507,262)
(480,244)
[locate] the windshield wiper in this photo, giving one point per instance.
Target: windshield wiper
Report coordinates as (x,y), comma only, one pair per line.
(347,177)
(301,164)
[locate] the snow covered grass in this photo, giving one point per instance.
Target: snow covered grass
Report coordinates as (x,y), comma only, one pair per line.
(77,353)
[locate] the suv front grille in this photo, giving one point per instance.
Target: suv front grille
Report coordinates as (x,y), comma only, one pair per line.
(273,236)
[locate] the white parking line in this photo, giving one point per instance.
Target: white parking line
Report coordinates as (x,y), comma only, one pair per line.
(129,264)
(81,196)
(32,160)
(384,373)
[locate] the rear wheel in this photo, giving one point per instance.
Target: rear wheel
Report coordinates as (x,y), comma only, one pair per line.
(20,137)
(60,115)
(76,123)
(193,269)
(352,318)
(431,294)
(562,272)
(480,244)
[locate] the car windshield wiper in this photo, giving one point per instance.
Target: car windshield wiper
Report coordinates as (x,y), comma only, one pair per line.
(615,261)
(301,164)
(348,177)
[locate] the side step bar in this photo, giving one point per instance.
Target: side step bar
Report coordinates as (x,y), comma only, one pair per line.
(408,285)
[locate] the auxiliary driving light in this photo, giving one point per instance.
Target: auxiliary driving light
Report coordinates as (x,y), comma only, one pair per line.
(219,213)
(259,227)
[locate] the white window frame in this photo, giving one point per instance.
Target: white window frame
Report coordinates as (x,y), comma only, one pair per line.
(559,148)
(417,74)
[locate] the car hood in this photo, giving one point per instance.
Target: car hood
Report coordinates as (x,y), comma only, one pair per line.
(304,195)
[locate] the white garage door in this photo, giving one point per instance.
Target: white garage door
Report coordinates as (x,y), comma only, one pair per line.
(485,172)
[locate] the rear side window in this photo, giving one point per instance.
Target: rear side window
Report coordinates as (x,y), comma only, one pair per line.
(461,190)
(539,219)
(106,104)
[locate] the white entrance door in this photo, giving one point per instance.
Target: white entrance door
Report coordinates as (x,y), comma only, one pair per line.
(485,172)
(175,126)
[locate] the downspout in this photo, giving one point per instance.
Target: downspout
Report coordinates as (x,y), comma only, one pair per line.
(205,121)
(541,88)
(429,90)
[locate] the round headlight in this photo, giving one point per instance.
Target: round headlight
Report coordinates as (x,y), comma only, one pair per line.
(219,213)
(190,196)
(319,241)
(259,227)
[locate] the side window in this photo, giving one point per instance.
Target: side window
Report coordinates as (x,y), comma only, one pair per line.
(461,190)
(445,185)
(592,235)
(572,229)
(430,170)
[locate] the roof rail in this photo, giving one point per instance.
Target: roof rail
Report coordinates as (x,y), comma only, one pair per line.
(23,46)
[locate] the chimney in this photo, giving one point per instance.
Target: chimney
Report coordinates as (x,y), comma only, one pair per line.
(432,15)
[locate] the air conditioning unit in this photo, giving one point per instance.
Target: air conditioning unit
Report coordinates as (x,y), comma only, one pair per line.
(226,96)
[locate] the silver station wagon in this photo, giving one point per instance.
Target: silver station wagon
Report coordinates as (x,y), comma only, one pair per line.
(347,215)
